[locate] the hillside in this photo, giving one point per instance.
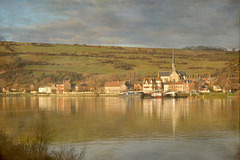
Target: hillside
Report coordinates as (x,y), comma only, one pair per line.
(28,63)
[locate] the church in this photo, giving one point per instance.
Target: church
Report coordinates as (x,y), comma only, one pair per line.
(174,75)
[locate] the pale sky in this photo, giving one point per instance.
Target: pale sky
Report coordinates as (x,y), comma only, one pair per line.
(140,23)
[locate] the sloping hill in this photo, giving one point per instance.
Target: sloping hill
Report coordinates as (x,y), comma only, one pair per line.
(24,63)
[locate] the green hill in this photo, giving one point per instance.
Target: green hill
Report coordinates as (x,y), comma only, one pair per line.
(26,63)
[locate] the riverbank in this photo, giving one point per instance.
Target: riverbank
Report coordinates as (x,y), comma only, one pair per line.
(213,95)
(199,95)
(12,94)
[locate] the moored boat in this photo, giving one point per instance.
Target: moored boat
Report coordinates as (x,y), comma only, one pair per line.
(157,95)
(147,94)
(171,94)
(162,95)
(129,93)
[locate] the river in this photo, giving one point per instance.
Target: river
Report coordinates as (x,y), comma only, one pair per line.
(118,128)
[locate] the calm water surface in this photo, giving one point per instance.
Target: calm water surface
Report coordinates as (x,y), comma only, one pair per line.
(132,128)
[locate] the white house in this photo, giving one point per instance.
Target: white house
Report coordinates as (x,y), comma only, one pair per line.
(47,89)
(42,90)
(152,84)
(217,88)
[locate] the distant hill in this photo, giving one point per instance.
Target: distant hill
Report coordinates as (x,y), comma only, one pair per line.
(213,48)
(23,64)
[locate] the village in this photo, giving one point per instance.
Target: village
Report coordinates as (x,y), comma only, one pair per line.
(166,81)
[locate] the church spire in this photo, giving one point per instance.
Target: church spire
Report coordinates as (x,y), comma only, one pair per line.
(173,62)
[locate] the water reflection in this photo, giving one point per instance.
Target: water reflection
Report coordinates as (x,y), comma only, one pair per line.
(133,128)
(112,117)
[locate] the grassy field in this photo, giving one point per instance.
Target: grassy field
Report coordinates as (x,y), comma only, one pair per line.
(107,60)
(60,48)
(2,49)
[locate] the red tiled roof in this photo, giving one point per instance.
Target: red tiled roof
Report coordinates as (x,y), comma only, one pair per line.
(113,84)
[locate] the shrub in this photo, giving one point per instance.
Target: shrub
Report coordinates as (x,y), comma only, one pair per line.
(37,146)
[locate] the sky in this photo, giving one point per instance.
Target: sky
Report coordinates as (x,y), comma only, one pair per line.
(137,23)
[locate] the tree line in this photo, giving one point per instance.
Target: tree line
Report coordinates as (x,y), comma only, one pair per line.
(212,48)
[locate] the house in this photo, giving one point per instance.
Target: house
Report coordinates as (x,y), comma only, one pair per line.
(193,86)
(6,89)
(223,83)
(60,87)
(33,87)
(217,88)
(148,84)
(235,84)
(159,84)
(42,90)
(53,88)
(174,75)
(115,87)
(138,87)
(176,87)
(65,86)
(46,89)
(152,84)
(209,81)
(82,87)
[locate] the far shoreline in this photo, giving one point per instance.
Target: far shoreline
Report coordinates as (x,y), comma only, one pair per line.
(192,95)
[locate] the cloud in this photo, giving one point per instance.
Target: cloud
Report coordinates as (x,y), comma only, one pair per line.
(2,38)
(152,23)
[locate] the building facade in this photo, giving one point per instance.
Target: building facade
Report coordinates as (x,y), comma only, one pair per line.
(65,86)
(115,87)
(176,87)
(174,75)
(152,84)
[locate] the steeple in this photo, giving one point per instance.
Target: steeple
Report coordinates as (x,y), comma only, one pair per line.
(173,62)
